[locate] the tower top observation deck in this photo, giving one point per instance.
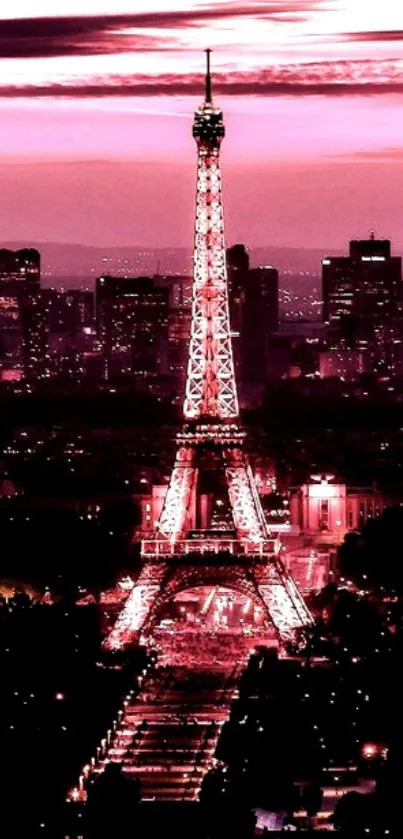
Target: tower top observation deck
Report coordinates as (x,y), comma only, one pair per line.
(208,125)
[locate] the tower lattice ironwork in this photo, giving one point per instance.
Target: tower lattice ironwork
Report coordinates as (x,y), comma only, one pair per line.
(185,550)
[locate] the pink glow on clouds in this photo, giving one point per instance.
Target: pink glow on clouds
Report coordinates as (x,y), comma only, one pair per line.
(308,88)
(147,131)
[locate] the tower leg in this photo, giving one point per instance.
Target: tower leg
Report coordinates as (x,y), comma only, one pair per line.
(284,603)
(137,607)
(246,508)
(176,508)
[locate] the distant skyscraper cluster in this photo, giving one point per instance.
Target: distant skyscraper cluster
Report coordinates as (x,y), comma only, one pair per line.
(42,331)
(138,328)
(132,326)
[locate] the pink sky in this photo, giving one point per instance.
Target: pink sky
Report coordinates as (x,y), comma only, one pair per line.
(97,104)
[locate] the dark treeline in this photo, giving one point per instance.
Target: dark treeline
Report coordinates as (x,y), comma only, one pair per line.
(64,549)
(371,558)
(84,405)
(293,722)
(294,403)
(57,703)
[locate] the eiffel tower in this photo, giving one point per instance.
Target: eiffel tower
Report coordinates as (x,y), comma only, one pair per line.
(187,548)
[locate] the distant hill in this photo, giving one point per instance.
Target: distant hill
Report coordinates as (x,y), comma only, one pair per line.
(75,265)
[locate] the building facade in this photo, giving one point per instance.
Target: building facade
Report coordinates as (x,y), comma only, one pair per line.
(254,317)
(325,510)
(132,325)
(365,285)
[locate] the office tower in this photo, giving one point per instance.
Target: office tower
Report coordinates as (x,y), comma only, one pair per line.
(254,317)
(365,286)
(260,320)
(35,319)
(70,329)
(179,317)
(237,263)
(79,308)
(71,314)
(263,282)
(132,325)
(178,341)
(10,338)
(24,319)
(237,259)
(238,271)
(179,287)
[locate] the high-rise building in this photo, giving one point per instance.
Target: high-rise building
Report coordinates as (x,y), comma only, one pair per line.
(179,317)
(71,332)
(10,337)
(238,271)
(366,285)
(178,342)
(20,276)
(35,318)
(260,319)
(132,325)
(254,316)
(179,287)
(79,305)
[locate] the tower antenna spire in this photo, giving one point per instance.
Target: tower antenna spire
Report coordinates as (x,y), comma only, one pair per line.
(208,76)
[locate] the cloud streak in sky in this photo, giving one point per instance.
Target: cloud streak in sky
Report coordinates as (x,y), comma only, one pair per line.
(310,79)
(108,34)
(374,37)
(263,48)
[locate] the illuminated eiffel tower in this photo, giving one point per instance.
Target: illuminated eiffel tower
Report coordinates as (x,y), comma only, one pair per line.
(186,551)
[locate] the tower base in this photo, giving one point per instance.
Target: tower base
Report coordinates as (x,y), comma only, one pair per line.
(264,580)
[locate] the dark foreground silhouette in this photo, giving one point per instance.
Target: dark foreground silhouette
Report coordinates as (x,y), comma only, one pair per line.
(112,803)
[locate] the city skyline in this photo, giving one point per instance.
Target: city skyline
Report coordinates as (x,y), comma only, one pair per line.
(201,474)
(96,144)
